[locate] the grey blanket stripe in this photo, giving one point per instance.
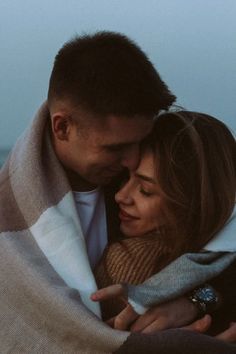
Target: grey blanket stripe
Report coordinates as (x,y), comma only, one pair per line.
(181,276)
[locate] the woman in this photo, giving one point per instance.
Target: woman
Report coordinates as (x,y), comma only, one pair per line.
(181,195)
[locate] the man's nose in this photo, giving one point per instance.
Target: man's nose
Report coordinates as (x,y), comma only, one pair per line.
(131,157)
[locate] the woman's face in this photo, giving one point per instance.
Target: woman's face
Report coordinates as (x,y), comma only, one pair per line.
(140,200)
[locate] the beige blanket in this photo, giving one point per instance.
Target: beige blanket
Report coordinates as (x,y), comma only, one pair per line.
(39,311)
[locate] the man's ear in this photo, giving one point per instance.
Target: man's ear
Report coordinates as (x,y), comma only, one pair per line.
(61,125)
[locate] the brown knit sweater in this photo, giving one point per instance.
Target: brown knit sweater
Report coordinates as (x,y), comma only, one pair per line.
(131,260)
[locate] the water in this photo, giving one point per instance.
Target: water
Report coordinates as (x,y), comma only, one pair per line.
(3,155)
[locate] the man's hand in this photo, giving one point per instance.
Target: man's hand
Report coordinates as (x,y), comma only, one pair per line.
(201,325)
(229,335)
(173,314)
(160,317)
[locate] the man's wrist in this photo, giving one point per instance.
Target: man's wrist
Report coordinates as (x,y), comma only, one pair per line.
(138,308)
(205,298)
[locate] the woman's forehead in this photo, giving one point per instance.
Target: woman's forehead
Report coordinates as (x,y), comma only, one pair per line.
(147,166)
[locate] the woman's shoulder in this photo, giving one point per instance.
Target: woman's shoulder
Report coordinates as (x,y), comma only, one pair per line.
(133,259)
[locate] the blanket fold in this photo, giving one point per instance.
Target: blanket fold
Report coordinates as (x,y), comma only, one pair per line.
(40,312)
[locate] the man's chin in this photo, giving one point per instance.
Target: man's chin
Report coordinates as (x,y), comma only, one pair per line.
(106,179)
(103,181)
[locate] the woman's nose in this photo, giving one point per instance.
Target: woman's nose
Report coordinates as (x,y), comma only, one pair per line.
(124,195)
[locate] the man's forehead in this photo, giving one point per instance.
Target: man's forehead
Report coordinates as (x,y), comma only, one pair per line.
(121,131)
(120,121)
(124,125)
(111,122)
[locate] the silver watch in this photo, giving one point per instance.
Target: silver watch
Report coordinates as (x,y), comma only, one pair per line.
(205,298)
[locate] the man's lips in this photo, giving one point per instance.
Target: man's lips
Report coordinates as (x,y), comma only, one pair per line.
(124,216)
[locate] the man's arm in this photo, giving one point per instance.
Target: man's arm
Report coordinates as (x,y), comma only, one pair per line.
(179,311)
(175,341)
(186,273)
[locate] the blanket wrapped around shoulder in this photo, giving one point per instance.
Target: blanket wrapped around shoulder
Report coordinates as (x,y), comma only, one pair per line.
(39,311)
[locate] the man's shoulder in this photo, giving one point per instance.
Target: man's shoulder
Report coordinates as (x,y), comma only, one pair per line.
(10,215)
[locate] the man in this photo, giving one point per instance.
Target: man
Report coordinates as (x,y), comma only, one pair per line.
(56,189)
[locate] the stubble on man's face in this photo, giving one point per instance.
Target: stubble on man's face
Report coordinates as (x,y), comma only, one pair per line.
(102,148)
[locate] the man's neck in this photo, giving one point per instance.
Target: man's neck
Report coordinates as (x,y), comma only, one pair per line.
(78,183)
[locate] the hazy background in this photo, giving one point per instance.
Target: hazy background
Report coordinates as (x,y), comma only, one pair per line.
(192,43)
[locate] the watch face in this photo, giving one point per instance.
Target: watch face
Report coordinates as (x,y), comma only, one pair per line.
(206,295)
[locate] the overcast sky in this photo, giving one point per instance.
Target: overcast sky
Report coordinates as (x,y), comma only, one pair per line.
(192,44)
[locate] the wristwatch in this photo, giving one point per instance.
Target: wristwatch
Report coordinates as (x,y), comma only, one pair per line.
(205,298)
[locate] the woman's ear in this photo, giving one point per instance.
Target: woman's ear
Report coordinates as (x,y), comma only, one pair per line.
(61,126)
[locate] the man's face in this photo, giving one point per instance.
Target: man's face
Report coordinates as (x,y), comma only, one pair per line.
(102,148)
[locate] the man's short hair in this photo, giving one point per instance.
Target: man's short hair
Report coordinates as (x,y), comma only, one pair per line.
(107,73)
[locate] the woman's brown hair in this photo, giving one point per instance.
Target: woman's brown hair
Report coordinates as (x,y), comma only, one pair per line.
(195,157)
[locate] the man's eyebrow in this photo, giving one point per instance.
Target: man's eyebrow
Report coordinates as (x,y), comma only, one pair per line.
(145,178)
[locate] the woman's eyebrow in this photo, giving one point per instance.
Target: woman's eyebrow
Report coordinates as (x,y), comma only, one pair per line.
(145,178)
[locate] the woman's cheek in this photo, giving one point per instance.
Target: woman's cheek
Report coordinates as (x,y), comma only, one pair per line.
(131,229)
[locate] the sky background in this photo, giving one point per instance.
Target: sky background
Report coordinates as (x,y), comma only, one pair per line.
(192,44)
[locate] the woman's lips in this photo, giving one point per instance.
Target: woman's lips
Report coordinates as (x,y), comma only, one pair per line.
(126,217)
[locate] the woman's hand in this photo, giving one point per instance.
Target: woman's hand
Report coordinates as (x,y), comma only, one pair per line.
(109,292)
(124,319)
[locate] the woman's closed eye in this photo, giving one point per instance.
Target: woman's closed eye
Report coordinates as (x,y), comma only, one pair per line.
(145,192)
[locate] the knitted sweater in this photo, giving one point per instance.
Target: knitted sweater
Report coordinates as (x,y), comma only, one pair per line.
(131,260)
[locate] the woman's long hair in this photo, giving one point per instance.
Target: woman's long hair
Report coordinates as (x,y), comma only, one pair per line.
(195,159)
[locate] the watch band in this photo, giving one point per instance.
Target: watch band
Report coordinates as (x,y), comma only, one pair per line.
(201,306)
